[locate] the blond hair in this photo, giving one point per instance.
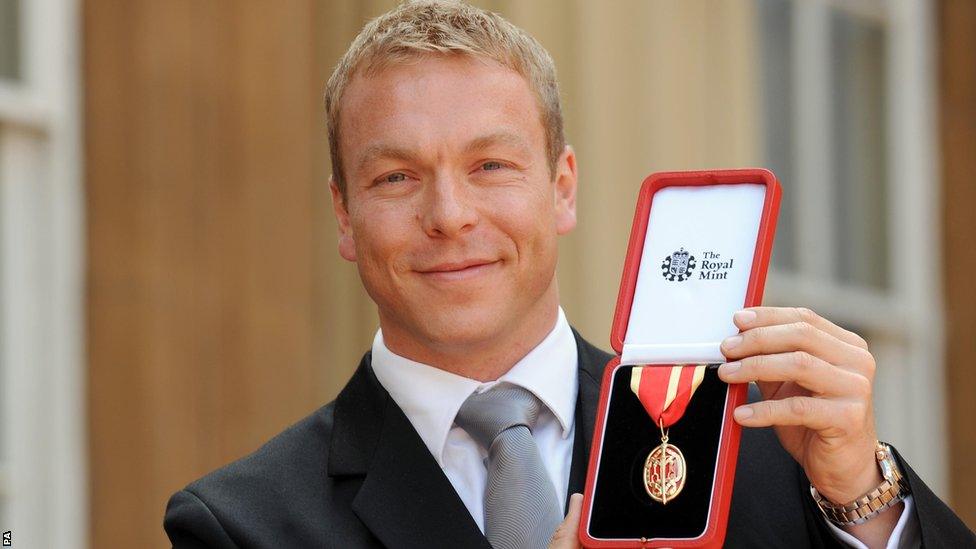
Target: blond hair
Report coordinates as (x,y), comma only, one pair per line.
(417,28)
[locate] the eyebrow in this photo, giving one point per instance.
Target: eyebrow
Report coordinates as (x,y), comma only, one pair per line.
(383,150)
(497,138)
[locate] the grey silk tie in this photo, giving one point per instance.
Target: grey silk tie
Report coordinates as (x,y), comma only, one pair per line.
(521,507)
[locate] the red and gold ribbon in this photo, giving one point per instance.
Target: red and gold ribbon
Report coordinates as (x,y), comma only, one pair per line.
(665,391)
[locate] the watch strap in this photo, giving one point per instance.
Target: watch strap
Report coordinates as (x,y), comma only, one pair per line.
(891,491)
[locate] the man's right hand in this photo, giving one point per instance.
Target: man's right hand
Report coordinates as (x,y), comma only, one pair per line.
(565,536)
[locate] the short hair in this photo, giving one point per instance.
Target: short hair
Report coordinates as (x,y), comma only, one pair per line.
(418,28)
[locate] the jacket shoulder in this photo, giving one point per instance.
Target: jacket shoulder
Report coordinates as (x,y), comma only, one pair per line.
(256,494)
(288,457)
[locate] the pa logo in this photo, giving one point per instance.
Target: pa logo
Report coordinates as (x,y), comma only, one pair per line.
(678,266)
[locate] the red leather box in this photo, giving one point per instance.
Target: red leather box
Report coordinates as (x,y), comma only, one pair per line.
(686,271)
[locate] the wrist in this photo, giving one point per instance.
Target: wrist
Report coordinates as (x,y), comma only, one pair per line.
(854,486)
(889,492)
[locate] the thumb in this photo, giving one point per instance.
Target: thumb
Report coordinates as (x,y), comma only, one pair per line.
(565,536)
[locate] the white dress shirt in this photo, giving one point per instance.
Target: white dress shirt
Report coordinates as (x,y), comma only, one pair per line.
(431,397)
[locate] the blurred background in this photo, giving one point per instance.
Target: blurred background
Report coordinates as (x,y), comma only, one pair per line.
(170,292)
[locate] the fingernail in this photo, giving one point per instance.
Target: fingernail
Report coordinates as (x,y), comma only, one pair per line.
(730,368)
(732,342)
(745,316)
(743,412)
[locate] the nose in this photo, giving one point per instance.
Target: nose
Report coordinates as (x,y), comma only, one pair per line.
(448,209)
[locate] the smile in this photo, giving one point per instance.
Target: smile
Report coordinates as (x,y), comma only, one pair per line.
(450,272)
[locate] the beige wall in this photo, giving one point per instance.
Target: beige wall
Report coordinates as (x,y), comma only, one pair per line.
(957,20)
(202,144)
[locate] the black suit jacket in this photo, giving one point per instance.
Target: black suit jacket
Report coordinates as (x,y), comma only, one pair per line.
(356,474)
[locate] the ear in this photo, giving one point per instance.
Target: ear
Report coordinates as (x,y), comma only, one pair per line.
(347,243)
(565,191)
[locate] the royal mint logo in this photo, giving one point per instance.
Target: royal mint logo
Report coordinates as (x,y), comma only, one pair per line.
(678,266)
(681,265)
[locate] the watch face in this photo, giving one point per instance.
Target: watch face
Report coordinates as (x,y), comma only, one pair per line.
(887,470)
(887,463)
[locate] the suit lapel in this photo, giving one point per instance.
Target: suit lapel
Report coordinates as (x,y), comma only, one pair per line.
(404,499)
(591,364)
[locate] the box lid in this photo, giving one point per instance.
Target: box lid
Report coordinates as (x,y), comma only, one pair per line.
(699,250)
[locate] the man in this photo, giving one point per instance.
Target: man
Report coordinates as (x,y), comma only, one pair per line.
(451,185)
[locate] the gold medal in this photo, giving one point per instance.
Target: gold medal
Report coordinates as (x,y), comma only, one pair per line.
(665,392)
(664,471)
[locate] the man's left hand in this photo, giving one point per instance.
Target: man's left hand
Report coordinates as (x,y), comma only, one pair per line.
(566,535)
(816,379)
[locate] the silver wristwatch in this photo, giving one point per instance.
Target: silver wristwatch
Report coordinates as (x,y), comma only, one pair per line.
(892,490)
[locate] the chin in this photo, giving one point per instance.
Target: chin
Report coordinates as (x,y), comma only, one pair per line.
(462,325)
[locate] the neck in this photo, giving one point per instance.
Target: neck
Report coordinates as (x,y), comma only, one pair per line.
(487,359)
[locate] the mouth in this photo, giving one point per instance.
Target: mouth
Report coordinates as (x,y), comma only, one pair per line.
(459,271)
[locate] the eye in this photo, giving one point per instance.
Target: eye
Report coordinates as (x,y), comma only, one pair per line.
(393,178)
(491,166)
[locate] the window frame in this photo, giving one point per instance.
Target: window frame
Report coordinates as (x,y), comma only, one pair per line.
(43,471)
(904,322)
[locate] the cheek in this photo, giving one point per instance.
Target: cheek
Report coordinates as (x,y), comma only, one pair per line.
(529,221)
(381,242)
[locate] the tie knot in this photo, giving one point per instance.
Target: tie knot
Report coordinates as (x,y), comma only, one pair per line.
(486,415)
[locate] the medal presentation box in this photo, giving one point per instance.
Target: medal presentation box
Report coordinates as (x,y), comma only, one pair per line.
(663,459)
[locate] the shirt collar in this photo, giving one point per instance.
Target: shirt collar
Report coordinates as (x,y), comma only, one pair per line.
(431,397)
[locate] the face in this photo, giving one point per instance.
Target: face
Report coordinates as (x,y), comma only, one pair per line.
(451,213)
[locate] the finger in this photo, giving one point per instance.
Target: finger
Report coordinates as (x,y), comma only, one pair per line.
(829,417)
(565,536)
(799,336)
(753,317)
(809,371)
